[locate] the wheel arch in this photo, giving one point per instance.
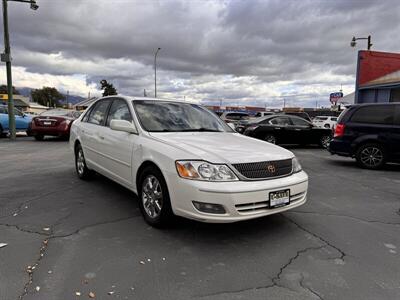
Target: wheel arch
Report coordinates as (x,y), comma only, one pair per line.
(369,139)
(144,165)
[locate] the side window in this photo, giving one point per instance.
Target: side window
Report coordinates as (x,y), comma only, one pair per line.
(119,110)
(380,114)
(299,122)
(98,114)
(18,112)
(87,114)
(281,121)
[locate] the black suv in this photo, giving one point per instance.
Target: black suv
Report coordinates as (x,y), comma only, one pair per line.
(370,133)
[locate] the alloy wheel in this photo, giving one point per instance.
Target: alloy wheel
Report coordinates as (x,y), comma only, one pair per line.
(371,156)
(325,140)
(80,162)
(152,196)
(270,139)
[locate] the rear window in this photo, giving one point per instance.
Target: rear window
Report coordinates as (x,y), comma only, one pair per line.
(334,119)
(236,116)
(382,114)
(321,118)
(56,112)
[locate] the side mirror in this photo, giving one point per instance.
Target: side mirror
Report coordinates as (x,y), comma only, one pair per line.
(123,125)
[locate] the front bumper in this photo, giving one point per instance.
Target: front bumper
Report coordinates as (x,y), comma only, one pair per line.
(242,200)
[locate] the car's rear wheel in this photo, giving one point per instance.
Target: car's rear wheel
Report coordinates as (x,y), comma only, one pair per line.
(39,137)
(80,164)
(324,141)
(154,198)
(371,156)
(270,138)
(327,126)
(2,133)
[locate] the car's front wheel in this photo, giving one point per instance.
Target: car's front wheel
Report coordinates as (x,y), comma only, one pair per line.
(154,198)
(371,156)
(80,164)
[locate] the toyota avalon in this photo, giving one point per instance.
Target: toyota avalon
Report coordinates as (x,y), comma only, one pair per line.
(181,159)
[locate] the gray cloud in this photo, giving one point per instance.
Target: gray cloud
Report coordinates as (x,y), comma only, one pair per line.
(250,51)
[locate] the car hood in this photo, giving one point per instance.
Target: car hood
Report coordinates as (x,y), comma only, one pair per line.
(223,147)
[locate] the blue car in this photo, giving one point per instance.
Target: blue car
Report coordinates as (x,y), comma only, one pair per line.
(22,121)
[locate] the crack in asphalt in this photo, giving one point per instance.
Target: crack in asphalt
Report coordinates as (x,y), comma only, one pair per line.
(23,229)
(275,280)
(25,203)
(301,282)
(344,216)
(30,269)
(45,245)
(342,253)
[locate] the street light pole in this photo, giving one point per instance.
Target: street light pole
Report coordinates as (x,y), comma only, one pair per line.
(155,72)
(6,57)
(353,42)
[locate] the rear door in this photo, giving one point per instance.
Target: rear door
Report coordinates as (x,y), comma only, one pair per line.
(301,130)
(92,129)
(373,122)
(280,129)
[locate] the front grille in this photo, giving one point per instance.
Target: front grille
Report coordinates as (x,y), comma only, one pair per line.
(265,169)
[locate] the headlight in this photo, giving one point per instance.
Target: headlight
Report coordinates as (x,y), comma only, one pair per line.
(201,170)
(296,167)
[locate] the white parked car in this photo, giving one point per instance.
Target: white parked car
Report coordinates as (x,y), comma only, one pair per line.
(181,159)
(325,121)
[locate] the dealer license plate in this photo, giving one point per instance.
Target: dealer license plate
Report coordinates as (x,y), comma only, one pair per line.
(279,198)
(46,123)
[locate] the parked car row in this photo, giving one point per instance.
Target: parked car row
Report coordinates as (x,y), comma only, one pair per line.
(54,122)
(285,129)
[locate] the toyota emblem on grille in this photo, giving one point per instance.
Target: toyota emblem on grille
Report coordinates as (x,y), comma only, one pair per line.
(271,168)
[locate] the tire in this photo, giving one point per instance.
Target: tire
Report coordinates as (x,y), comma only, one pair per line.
(81,168)
(324,141)
(371,156)
(38,137)
(270,138)
(154,201)
(327,126)
(2,134)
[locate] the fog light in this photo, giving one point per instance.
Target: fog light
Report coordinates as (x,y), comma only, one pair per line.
(209,207)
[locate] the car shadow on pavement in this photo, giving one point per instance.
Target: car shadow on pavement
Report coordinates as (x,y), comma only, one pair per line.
(351,163)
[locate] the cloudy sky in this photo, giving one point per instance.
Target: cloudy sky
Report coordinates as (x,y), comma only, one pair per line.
(246,52)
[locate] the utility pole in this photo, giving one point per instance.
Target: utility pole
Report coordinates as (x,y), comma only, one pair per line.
(67,98)
(155,72)
(6,57)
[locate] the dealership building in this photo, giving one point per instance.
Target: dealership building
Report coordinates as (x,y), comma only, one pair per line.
(378,77)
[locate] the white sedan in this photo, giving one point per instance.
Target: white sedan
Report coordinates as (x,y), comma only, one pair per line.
(325,121)
(181,159)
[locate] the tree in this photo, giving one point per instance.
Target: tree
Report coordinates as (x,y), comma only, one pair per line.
(3,90)
(108,88)
(47,96)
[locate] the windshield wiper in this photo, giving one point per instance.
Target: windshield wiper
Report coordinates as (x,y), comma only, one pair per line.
(201,129)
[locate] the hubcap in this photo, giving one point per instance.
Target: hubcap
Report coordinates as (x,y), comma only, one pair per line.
(80,162)
(270,139)
(371,156)
(325,141)
(152,196)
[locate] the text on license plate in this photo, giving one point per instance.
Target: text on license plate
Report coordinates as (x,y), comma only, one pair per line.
(279,198)
(46,123)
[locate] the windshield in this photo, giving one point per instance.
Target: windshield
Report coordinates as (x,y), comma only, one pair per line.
(162,116)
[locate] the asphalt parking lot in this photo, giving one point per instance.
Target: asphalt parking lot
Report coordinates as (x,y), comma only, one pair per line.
(65,236)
